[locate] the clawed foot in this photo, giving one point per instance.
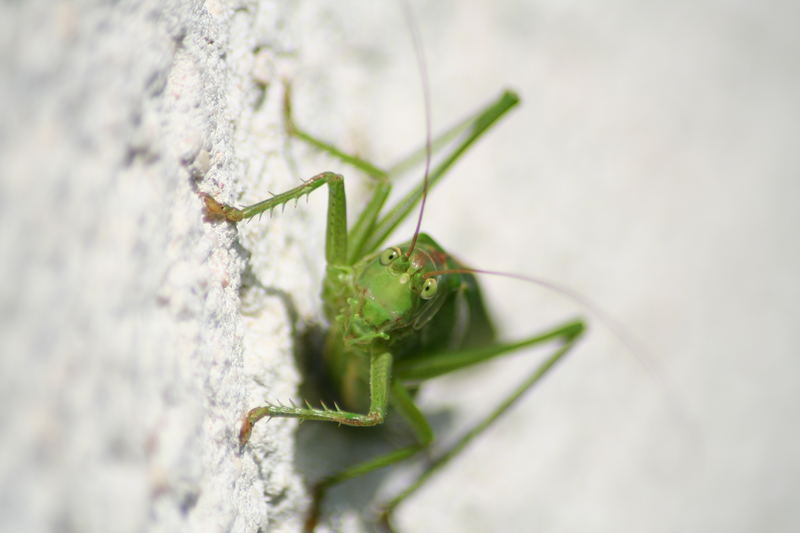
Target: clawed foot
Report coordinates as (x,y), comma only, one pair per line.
(216,211)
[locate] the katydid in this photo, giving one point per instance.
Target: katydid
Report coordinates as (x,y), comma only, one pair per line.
(398,315)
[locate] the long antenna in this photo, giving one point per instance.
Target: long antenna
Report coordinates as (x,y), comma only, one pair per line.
(416,40)
(616,329)
(622,334)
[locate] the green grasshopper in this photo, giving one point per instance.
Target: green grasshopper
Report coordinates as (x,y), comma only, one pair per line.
(397,315)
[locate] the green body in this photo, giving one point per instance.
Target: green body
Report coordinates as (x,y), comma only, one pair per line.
(377,307)
(397,316)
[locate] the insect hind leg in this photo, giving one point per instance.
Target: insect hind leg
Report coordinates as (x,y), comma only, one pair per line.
(568,334)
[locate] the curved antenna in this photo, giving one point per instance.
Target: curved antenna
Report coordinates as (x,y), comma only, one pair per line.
(416,40)
(616,329)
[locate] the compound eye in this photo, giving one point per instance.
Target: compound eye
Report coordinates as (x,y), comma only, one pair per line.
(389,255)
(428,289)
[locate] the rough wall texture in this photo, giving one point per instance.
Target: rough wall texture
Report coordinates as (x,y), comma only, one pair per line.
(122,376)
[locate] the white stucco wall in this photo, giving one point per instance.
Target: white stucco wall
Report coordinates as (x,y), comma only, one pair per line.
(652,167)
(122,372)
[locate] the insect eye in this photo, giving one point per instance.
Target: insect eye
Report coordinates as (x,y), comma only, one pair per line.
(428,289)
(389,255)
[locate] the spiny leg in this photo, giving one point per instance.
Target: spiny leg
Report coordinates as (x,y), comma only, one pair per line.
(569,334)
(379,381)
(336,229)
(403,404)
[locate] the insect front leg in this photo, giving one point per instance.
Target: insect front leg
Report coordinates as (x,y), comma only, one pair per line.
(336,231)
(380,377)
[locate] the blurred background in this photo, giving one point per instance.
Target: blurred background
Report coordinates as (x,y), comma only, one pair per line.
(652,168)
